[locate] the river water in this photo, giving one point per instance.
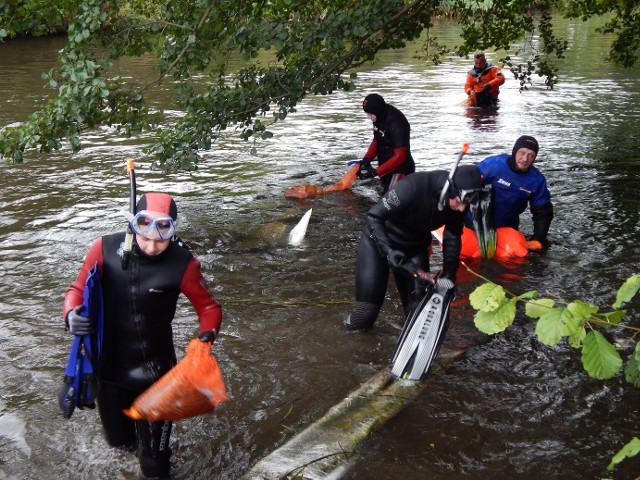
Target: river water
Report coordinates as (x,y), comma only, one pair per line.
(509,408)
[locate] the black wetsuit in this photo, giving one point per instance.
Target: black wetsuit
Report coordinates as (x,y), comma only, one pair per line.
(137,346)
(391,145)
(403,220)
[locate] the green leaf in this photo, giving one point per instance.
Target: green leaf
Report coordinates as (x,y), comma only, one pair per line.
(575,339)
(615,317)
(631,449)
(582,310)
(498,320)
(487,297)
(549,328)
(632,371)
(627,291)
(569,323)
(528,295)
(555,324)
(537,308)
(599,357)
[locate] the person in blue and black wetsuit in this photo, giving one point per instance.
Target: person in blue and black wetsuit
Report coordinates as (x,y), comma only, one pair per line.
(518,184)
(390,145)
(139,306)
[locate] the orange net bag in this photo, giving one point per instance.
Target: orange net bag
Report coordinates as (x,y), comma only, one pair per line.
(305,190)
(193,387)
(510,243)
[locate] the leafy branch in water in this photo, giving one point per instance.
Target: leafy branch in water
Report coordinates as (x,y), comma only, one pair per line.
(579,323)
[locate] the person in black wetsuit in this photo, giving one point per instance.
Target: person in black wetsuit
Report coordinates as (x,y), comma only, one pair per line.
(397,234)
(390,145)
(139,306)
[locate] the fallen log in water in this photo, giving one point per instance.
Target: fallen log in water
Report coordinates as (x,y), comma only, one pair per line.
(324,449)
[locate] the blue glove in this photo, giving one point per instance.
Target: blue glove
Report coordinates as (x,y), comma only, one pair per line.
(79,325)
(396,259)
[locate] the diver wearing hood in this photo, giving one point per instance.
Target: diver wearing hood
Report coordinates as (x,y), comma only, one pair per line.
(391,145)
(518,183)
(397,234)
(139,306)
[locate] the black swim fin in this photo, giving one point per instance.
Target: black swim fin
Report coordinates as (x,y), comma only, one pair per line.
(423,332)
(482,213)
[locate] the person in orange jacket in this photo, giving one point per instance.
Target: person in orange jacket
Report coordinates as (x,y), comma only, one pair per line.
(483,82)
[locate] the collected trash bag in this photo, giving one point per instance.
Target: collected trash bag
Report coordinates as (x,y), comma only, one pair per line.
(193,387)
(510,243)
(305,190)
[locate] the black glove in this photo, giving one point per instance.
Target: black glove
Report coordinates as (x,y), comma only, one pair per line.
(364,163)
(366,171)
(542,216)
(395,258)
(486,87)
(452,245)
(207,336)
(79,325)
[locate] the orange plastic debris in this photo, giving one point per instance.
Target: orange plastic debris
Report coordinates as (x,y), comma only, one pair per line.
(469,101)
(193,387)
(306,190)
(510,243)
(534,245)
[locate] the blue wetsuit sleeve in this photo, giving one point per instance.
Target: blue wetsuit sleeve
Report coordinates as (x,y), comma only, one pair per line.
(542,195)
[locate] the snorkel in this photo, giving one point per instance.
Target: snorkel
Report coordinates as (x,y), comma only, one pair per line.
(481,210)
(128,239)
(449,182)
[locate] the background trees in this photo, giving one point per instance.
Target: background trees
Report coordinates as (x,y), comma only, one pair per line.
(313,45)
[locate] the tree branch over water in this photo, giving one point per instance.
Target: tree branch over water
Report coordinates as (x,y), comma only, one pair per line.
(283,51)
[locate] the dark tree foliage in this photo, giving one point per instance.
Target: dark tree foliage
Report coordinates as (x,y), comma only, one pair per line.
(313,45)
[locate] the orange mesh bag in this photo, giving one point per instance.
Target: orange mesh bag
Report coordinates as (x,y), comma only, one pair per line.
(511,243)
(193,387)
(470,247)
(305,190)
(346,181)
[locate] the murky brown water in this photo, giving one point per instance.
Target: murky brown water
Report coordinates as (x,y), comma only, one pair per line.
(511,408)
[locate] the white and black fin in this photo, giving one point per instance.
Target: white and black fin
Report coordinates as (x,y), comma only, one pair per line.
(423,332)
